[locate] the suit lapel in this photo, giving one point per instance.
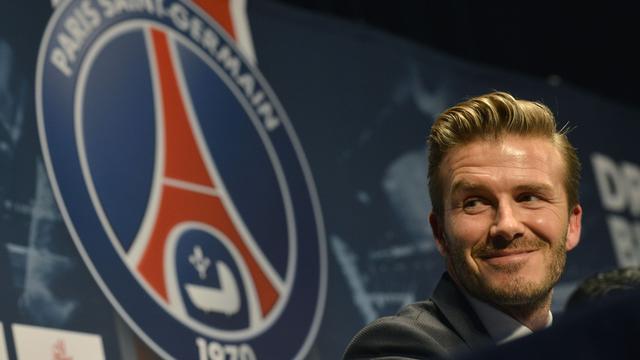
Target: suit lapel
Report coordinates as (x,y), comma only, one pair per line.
(455,307)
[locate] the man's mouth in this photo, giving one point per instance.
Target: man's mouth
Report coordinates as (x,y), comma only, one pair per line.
(506,257)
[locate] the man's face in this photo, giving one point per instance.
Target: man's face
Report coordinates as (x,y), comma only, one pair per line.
(506,225)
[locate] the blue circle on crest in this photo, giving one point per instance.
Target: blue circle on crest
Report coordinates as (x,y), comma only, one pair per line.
(232,277)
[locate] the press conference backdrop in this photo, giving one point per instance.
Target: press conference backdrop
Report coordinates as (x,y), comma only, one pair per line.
(214,180)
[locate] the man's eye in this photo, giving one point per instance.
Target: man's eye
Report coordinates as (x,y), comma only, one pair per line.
(470,203)
(473,204)
(528,198)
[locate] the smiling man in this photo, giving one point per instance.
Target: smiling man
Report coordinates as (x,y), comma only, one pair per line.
(504,188)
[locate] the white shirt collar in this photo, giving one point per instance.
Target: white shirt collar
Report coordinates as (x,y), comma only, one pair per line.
(501,327)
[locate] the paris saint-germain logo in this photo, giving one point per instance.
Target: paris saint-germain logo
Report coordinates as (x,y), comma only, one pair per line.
(181,180)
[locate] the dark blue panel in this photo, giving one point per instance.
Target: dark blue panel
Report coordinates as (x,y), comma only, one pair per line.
(119,132)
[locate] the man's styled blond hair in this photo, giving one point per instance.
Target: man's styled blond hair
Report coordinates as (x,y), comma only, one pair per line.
(490,117)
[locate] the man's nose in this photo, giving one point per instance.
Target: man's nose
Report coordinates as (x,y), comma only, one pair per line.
(507,224)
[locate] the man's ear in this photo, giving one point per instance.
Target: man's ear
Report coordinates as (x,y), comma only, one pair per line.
(437,228)
(574,228)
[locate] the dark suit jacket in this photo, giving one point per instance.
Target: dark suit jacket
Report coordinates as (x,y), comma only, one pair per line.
(438,327)
(606,328)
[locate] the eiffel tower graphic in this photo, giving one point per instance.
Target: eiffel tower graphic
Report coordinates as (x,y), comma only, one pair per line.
(188,193)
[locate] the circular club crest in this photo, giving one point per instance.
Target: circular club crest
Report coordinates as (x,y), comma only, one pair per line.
(181,181)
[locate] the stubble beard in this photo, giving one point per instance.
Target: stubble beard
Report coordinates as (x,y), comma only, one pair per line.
(517,290)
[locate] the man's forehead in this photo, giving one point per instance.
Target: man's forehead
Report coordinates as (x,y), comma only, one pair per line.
(512,146)
(518,156)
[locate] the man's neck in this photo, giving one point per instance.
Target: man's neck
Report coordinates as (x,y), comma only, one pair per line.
(533,315)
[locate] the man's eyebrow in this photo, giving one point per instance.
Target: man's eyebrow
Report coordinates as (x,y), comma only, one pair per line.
(466,186)
(535,188)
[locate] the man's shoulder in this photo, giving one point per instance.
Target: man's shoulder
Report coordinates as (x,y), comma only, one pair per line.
(417,331)
(423,315)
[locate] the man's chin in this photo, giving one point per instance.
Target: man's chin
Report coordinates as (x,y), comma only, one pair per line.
(513,291)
